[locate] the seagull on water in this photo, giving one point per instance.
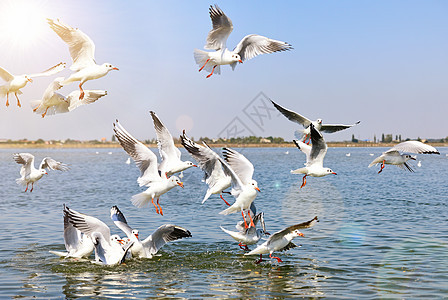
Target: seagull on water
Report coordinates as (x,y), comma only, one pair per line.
(244,188)
(305,122)
(54,103)
(158,183)
(250,235)
(395,155)
(250,46)
(171,162)
(151,245)
(30,174)
(208,161)
(314,156)
(281,240)
(15,82)
(109,249)
(82,51)
(76,243)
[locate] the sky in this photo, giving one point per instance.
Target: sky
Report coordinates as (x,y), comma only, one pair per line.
(384,63)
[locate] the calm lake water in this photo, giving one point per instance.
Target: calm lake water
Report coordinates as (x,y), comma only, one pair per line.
(379,236)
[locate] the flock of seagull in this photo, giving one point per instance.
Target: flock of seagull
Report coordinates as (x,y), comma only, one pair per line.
(84,234)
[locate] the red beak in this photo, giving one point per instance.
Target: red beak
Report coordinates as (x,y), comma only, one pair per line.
(257,189)
(334,173)
(240,61)
(114,68)
(181,184)
(29,79)
(301,234)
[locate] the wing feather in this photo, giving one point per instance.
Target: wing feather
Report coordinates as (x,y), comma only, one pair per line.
(222,27)
(5,75)
(253,45)
(293,116)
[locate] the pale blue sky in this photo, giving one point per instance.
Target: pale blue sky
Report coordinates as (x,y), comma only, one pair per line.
(382,62)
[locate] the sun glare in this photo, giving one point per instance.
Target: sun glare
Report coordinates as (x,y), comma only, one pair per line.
(22,22)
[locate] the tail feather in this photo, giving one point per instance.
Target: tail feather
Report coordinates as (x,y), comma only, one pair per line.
(207,195)
(201,57)
(59,253)
(21,181)
(232,209)
(299,171)
(140,200)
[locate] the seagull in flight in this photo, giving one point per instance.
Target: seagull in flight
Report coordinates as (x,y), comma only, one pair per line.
(82,51)
(54,103)
(395,155)
(314,156)
(171,162)
(151,245)
(250,46)
(215,177)
(15,82)
(305,122)
(281,240)
(158,183)
(29,174)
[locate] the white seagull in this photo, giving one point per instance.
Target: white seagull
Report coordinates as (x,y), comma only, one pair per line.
(244,188)
(76,243)
(30,174)
(15,83)
(281,240)
(248,236)
(108,248)
(82,51)
(151,245)
(250,46)
(314,156)
(215,177)
(54,103)
(394,157)
(305,122)
(146,161)
(171,162)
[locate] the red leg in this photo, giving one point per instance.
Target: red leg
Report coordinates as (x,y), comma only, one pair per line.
(34,110)
(260,260)
(224,200)
(250,218)
(243,246)
(303,181)
(245,224)
(204,65)
(32,187)
(43,115)
(278,259)
(18,101)
(382,167)
(7,99)
(160,207)
(212,71)
(26,187)
(81,96)
(157,209)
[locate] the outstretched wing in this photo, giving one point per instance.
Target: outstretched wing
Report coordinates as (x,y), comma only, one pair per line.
(319,147)
(253,45)
(120,221)
(239,164)
(53,70)
(52,164)
(164,234)
(280,234)
(5,75)
(144,158)
(329,128)
(415,147)
(82,48)
(293,116)
(86,224)
(222,27)
(90,96)
(168,151)
(27,162)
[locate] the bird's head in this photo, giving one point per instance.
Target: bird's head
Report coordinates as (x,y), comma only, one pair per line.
(255,185)
(408,157)
(109,67)
(237,58)
(330,171)
(28,78)
(43,172)
(116,239)
(297,233)
(189,164)
(135,233)
(175,180)
(319,121)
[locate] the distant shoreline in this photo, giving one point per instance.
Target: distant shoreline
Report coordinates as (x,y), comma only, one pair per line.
(263,145)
